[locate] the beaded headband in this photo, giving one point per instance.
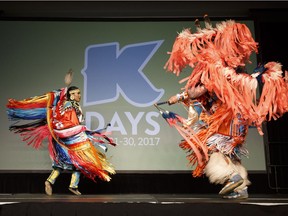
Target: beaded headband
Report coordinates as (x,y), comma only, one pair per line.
(74,91)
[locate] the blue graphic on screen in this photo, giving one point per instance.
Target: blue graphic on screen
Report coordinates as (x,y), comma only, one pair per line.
(109,72)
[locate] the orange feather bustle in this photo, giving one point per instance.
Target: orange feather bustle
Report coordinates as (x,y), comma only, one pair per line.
(215,54)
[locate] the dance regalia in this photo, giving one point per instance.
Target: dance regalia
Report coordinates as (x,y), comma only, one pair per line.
(70,144)
(218,57)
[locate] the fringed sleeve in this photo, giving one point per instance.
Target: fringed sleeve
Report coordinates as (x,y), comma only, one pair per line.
(274,97)
(29,117)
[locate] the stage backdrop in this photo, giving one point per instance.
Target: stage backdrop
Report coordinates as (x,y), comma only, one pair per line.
(119,68)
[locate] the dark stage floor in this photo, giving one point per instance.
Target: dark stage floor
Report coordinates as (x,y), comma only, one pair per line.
(257,199)
(141,204)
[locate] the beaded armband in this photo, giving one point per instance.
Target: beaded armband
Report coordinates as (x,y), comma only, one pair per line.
(182,96)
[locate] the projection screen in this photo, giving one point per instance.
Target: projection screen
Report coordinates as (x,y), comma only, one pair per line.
(119,67)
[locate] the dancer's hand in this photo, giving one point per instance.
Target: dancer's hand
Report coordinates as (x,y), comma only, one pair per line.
(68,78)
(172,100)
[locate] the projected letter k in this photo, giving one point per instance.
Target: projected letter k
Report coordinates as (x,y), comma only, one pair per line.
(109,72)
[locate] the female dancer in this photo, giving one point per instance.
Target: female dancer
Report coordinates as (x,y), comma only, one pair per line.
(57,115)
